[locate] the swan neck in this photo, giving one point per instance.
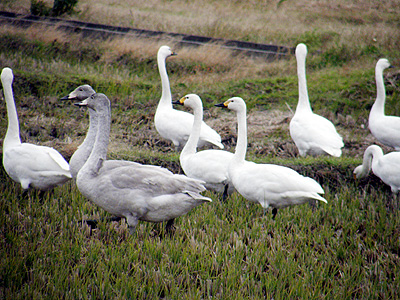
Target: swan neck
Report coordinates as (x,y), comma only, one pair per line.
(12,137)
(379,104)
(241,145)
(371,155)
(304,102)
(191,145)
(166,98)
(81,155)
(99,151)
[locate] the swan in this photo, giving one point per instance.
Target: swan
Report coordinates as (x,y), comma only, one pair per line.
(82,153)
(267,184)
(175,125)
(386,129)
(386,167)
(209,165)
(30,165)
(131,190)
(312,133)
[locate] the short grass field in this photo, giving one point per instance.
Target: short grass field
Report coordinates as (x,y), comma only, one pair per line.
(348,248)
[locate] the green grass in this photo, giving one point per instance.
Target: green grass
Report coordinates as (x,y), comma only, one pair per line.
(348,248)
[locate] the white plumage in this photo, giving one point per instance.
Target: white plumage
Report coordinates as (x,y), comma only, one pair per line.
(266,184)
(175,125)
(312,133)
(82,153)
(386,129)
(131,190)
(209,165)
(30,165)
(386,167)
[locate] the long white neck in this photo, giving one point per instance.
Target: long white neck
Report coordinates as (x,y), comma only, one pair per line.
(379,105)
(81,155)
(371,156)
(99,151)
(12,137)
(241,145)
(304,102)
(166,98)
(191,145)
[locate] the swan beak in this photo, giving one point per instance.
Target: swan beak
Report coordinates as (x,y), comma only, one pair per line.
(174,53)
(83,103)
(223,104)
(66,98)
(180,101)
(354,176)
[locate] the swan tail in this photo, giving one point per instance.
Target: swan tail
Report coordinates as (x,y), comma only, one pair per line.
(198,196)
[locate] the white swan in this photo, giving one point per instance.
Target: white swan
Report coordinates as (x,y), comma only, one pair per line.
(267,184)
(312,133)
(30,165)
(131,190)
(386,129)
(175,125)
(386,167)
(209,165)
(82,153)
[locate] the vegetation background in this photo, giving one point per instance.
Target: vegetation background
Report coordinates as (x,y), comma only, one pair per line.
(348,248)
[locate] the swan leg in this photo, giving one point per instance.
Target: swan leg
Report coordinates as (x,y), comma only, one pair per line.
(225,194)
(312,204)
(274,212)
(132,223)
(170,228)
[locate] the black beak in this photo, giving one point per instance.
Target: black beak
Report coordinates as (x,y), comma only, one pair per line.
(177,102)
(67,98)
(220,104)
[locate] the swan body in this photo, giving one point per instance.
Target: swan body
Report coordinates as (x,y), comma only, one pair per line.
(266,184)
(30,165)
(312,133)
(386,167)
(210,165)
(131,190)
(386,129)
(82,153)
(175,125)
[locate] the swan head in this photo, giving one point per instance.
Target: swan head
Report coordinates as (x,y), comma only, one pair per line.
(191,100)
(301,51)
(359,172)
(98,102)
(80,93)
(164,52)
(7,76)
(382,64)
(236,104)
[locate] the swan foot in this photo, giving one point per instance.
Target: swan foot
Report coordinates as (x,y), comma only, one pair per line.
(93,223)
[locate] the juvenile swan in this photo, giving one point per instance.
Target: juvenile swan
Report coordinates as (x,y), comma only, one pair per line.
(312,133)
(175,125)
(82,153)
(267,184)
(131,190)
(30,165)
(210,165)
(386,129)
(386,167)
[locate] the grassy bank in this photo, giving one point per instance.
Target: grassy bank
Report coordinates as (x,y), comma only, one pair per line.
(348,248)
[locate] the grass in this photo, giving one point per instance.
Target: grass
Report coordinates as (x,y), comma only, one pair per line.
(348,248)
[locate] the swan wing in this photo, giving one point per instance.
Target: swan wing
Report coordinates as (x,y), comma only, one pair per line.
(275,185)
(37,158)
(208,165)
(387,168)
(314,131)
(176,125)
